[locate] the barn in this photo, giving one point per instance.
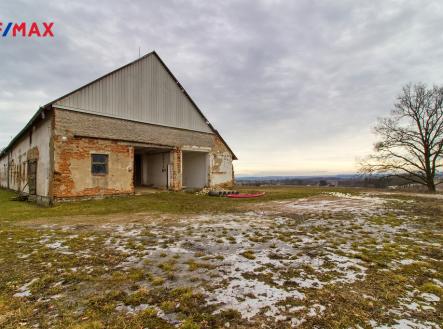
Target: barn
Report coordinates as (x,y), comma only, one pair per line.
(132,128)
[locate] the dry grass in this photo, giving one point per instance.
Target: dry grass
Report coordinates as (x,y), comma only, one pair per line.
(326,261)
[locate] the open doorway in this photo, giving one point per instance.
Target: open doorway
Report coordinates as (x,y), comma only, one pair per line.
(138,170)
(32,177)
(195,169)
(151,168)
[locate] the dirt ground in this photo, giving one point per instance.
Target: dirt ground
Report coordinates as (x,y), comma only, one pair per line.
(335,260)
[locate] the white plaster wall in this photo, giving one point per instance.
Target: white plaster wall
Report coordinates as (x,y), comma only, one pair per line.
(145,177)
(195,169)
(18,163)
(18,157)
(155,165)
(4,171)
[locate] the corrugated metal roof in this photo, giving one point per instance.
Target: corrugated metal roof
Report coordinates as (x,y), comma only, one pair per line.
(144,90)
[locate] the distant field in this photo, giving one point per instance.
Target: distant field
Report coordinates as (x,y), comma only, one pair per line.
(298,257)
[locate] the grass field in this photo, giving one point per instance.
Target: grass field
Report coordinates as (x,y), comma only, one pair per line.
(167,202)
(298,257)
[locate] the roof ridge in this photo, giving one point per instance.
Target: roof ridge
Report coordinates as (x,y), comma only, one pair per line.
(153,52)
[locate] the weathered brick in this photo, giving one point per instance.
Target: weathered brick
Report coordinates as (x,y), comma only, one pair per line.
(72,170)
(77,135)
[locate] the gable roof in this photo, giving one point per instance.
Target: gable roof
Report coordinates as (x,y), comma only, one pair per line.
(198,120)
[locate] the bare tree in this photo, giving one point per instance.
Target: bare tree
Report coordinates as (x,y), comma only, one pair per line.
(411,139)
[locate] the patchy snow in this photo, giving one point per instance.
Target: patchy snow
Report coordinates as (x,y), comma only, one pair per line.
(249,296)
(55,245)
(22,256)
(58,246)
(412,306)
(408,324)
(406,261)
(430,297)
(421,195)
(340,202)
(117,245)
(176,250)
(25,293)
(308,283)
(292,249)
(24,290)
(316,309)
(133,309)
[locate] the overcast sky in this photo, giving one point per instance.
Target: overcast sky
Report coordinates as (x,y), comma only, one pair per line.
(294,87)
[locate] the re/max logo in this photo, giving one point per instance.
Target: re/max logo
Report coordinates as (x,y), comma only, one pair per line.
(32,29)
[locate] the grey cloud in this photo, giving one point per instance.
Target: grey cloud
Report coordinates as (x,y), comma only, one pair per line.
(289,84)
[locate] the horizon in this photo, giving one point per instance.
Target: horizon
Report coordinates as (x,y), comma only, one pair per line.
(293,88)
(300,175)
(295,176)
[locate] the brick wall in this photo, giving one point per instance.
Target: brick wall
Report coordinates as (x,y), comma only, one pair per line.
(176,160)
(77,135)
(72,168)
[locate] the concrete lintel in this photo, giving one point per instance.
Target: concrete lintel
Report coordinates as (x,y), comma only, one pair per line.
(148,145)
(196,148)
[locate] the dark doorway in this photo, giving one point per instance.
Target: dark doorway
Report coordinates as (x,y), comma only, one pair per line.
(32,177)
(137,170)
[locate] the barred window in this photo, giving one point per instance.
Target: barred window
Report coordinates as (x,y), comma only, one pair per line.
(99,164)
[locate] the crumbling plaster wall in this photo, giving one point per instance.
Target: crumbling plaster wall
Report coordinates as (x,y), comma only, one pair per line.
(220,163)
(155,169)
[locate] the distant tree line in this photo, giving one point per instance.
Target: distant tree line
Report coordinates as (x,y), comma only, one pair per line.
(372,181)
(354,181)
